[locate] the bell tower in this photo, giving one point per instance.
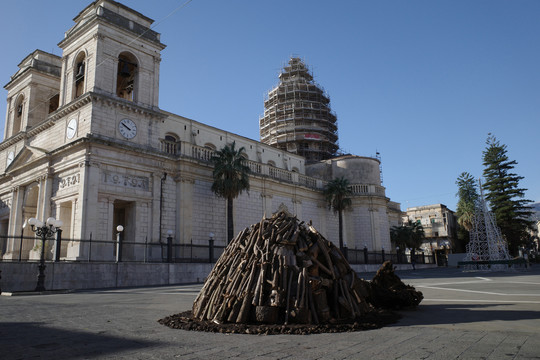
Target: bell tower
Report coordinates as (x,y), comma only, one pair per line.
(111,51)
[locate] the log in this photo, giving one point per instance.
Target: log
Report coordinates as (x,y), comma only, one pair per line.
(245,309)
(288,304)
(233,314)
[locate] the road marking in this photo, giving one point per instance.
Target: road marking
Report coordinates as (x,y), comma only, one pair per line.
(518,282)
(483,278)
(455,283)
(474,291)
(483,301)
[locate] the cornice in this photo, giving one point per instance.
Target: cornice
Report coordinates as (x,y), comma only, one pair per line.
(128,105)
(71,106)
(12,140)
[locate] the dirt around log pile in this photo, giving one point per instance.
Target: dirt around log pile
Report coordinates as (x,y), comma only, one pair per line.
(374,320)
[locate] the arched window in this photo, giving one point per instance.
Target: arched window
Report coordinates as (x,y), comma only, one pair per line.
(79,75)
(17,117)
(271,163)
(210,146)
(170,144)
(126,80)
(171,138)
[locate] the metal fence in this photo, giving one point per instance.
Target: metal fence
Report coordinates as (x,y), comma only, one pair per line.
(27,249)
(364,256)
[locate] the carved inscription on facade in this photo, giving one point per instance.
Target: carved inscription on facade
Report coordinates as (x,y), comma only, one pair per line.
(137,182)
(68,181)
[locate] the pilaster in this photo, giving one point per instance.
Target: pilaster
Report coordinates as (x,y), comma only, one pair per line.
(184,208)
(88,188)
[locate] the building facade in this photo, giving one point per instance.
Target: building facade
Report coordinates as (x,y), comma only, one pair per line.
(439,223)
(87,143)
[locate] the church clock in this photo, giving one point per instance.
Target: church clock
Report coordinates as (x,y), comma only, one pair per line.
(127,128)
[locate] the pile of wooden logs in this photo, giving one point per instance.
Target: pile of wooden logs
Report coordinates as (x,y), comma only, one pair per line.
(389,292)
(281,271)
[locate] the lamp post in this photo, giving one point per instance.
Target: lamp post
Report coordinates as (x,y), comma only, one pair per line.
(365,254)
(119,230)
(44,231)
(169,245)
(211,247)
(397,254)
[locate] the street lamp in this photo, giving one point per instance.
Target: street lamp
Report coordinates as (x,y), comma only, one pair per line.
(365,254)
(211,247)
(119,230)
(397,252)
(169,245)
(44,231)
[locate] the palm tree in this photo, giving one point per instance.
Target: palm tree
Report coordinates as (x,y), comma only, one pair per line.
(337,194)
(231,177)
(410,235)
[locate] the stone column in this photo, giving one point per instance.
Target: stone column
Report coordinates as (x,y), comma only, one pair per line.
(88,220)
(297,203)
(15,223)
(63,82)
(73,215)
(184,208)
(375,233)
(321,224)
(156,208)
(8,118)
(154,96)
(267,203)
(43,209)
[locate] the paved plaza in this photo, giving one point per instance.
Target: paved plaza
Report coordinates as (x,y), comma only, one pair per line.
(464,315)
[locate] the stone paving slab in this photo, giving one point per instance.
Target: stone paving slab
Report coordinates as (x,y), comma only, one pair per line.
(465,315)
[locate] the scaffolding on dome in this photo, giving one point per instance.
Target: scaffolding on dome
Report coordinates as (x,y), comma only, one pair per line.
(297,116)
(486,241)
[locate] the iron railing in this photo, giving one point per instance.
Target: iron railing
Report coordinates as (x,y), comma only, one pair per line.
(28,249)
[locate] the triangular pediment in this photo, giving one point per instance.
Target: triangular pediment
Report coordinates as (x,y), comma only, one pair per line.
(27,155)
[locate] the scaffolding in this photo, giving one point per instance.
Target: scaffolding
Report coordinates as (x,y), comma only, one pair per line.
(297,116)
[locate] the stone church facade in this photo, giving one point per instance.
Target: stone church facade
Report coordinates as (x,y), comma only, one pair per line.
(86,142)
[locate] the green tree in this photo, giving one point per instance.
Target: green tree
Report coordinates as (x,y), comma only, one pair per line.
(467,197)
(506,198)
(410,235)
(231,178)
(337,194)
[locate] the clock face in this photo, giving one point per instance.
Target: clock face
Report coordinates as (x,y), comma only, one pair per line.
(10,157)
(127,128)
(71,129)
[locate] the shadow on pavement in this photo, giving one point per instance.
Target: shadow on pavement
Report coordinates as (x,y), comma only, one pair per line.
(29,340)
(446,314)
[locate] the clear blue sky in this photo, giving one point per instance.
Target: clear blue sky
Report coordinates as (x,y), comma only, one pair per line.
(422,82)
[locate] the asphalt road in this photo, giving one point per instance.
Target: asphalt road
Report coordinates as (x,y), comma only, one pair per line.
(464,315)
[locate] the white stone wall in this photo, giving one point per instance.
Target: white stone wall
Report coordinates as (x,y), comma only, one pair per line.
(209,215)
(249,209)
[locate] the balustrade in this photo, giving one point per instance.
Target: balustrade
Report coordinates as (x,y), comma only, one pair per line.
(205,154)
